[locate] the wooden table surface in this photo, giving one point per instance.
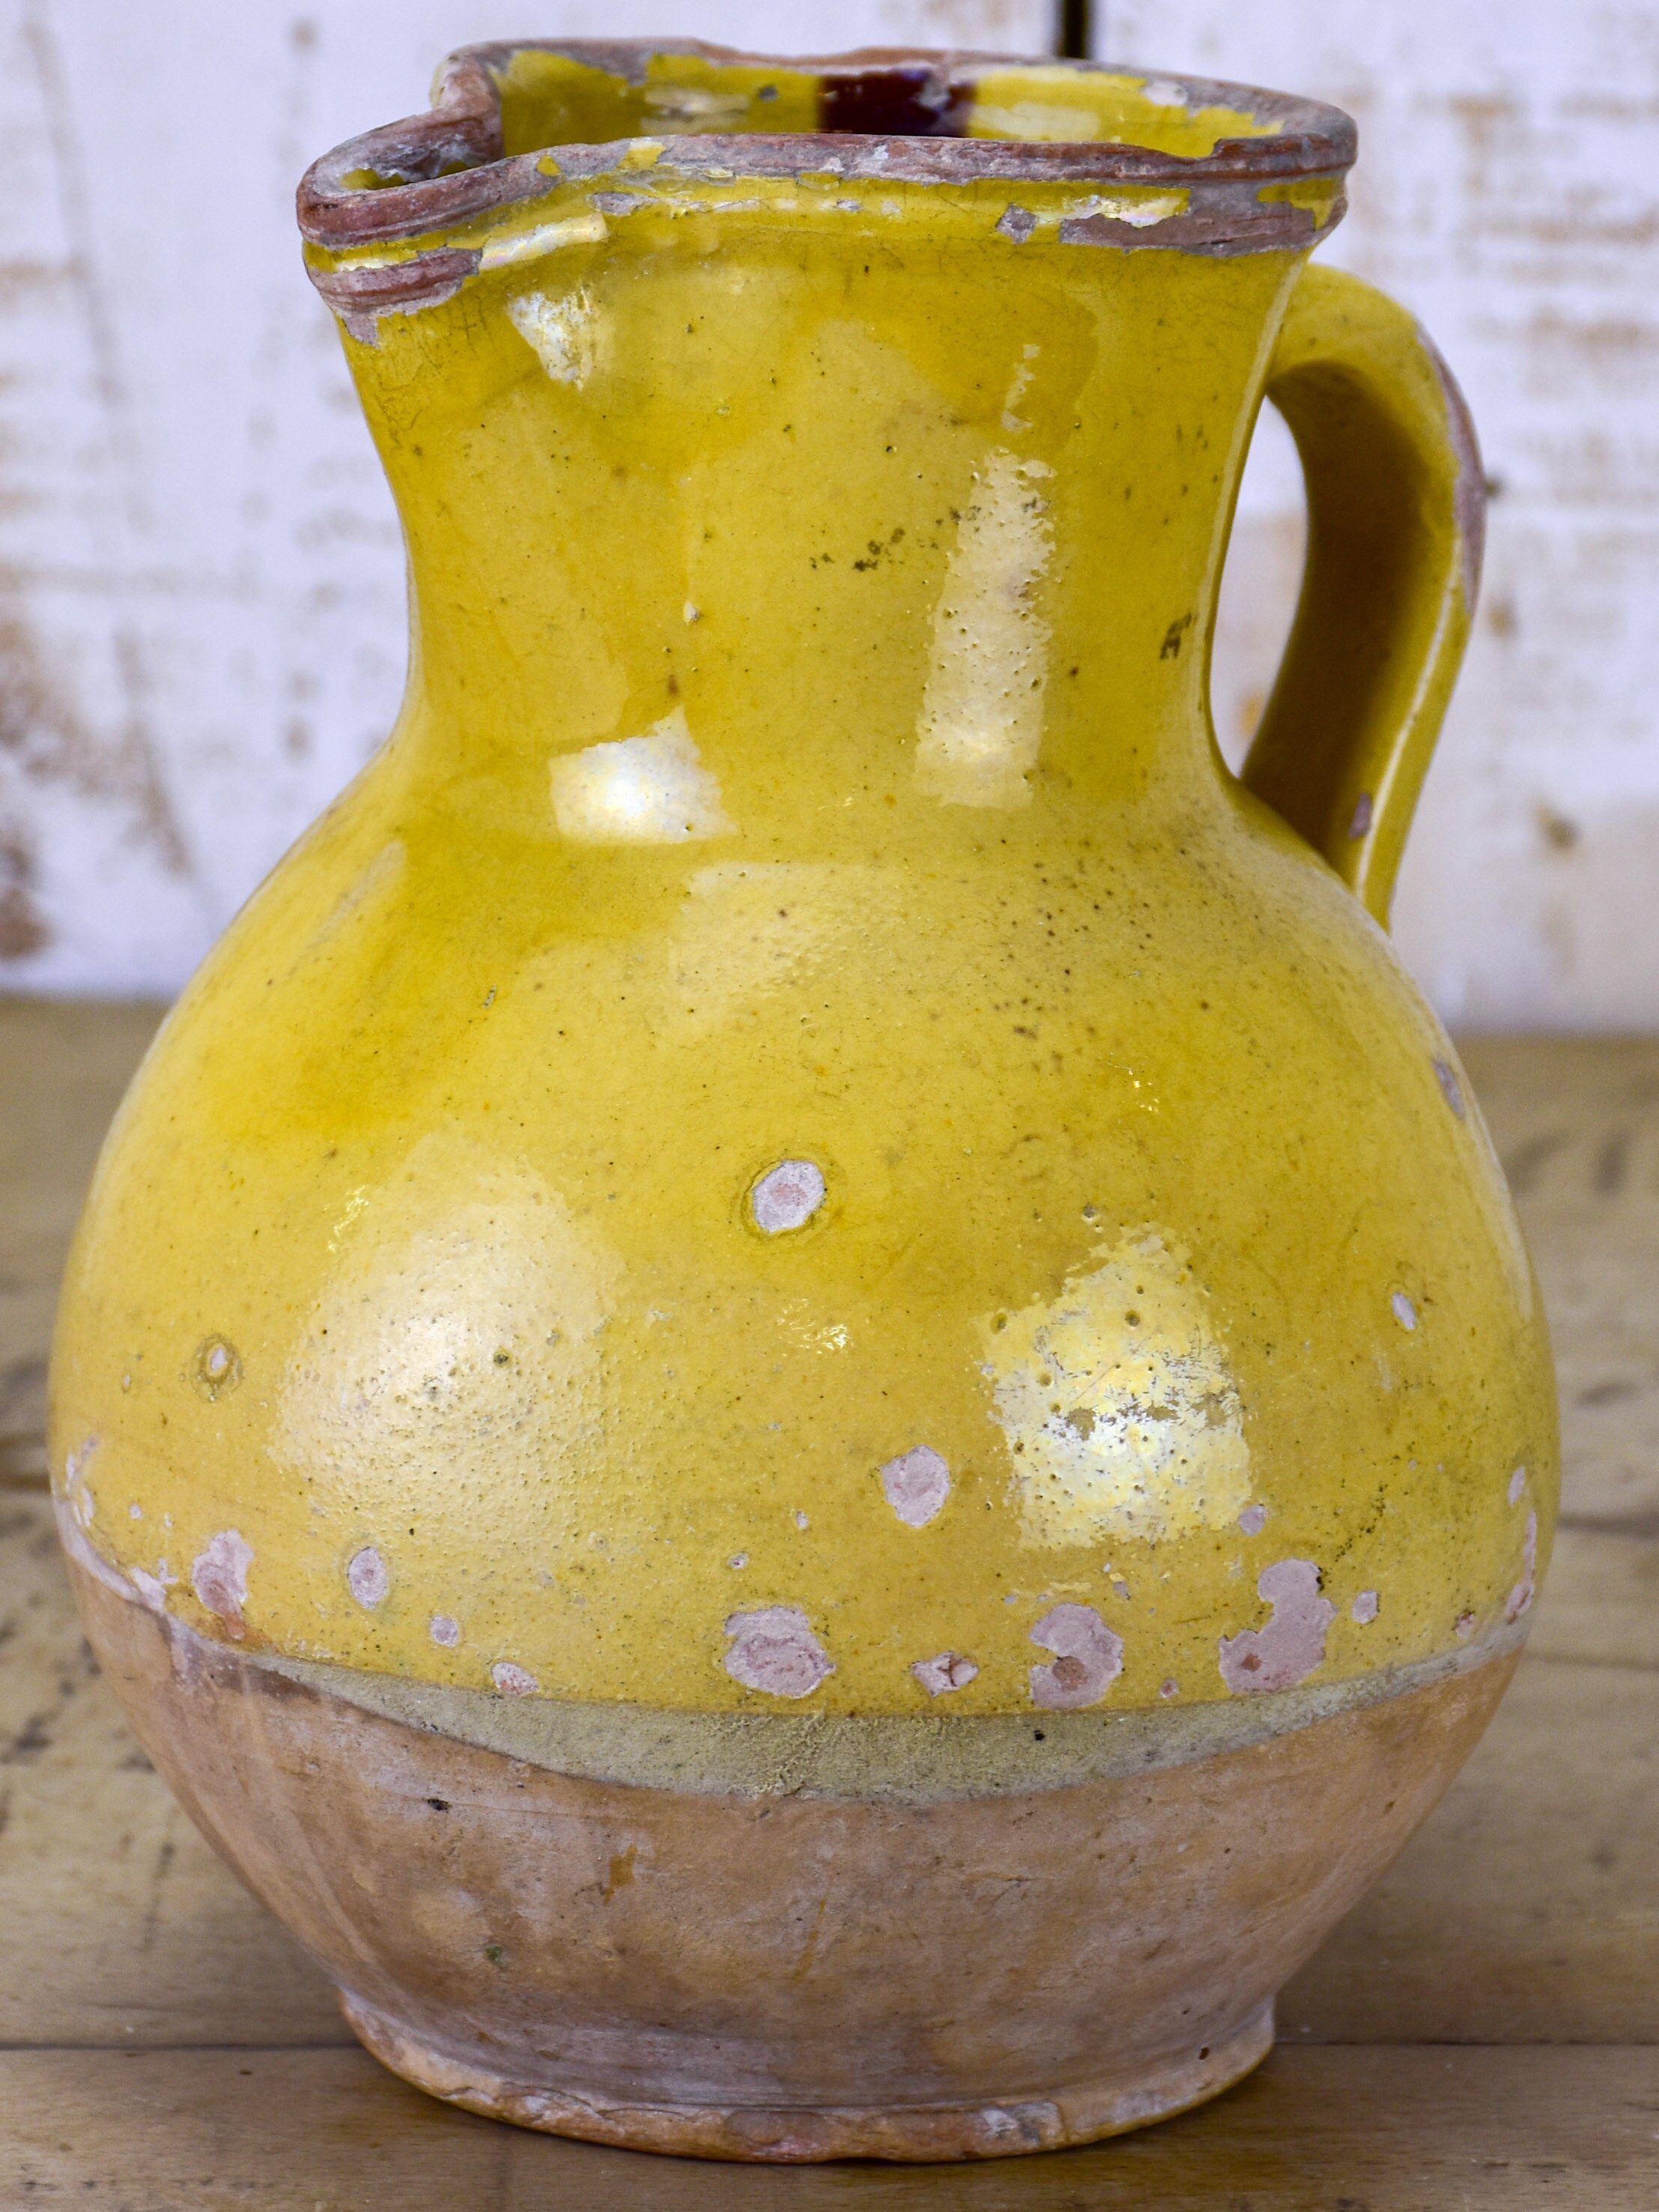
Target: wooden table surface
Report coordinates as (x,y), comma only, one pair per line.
(1483,2031)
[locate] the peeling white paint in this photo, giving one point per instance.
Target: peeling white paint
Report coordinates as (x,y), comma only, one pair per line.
(1517,1486)
(1253,1520)
(1501,194)
(1364,1607)
(445,1630)
(512,1681)
(1403,1310)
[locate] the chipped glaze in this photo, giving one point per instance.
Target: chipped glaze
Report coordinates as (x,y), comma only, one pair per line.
(774,1651)
(949,1671)
(1088,1659)
(797,1183)
(1292,1646)
(916,1485)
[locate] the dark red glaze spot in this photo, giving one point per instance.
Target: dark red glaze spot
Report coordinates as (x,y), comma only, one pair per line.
(911,101)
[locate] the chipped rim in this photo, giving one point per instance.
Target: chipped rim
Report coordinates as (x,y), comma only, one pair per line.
(453,168)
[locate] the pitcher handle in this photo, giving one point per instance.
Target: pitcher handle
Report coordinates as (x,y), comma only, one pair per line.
(1396,522)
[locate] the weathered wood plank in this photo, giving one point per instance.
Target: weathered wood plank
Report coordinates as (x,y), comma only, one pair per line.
(1602,1606)
(1526,1909)
(118,1923)
(1576,1120)
(62,1069)
(1371,2130)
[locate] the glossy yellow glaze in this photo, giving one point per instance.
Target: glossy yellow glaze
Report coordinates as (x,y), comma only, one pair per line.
(805,759)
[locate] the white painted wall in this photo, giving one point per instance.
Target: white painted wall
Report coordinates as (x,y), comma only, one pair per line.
(201,594)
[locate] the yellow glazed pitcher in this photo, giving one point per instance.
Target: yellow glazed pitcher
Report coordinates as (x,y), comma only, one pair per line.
(799,1395)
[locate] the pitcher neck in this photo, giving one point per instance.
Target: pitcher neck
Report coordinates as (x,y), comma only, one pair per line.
(807,523)
(767,519)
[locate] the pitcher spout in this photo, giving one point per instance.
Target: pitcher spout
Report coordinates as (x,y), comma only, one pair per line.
(904,394)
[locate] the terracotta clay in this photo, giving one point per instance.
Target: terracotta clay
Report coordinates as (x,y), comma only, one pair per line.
(801,1393)
(780,1974)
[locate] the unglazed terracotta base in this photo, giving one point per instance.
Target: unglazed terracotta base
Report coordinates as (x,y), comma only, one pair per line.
(1076,2113)
(762,1974)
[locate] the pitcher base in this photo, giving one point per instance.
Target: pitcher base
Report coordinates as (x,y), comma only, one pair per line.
(1079,2112)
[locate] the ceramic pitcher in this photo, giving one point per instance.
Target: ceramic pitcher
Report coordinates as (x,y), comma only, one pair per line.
(800,1394)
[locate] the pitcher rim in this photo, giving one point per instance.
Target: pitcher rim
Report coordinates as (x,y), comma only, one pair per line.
(448,167)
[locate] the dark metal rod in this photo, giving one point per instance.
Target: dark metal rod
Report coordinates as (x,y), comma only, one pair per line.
(1073,35)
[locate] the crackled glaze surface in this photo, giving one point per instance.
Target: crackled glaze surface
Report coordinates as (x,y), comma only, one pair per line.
(795,1141)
